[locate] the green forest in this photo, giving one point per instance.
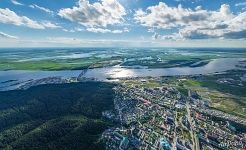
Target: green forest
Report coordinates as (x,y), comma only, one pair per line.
(62,116)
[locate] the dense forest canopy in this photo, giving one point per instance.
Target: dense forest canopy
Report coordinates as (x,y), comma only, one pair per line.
(62,116)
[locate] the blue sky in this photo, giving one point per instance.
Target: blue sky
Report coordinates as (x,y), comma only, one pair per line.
(123,23)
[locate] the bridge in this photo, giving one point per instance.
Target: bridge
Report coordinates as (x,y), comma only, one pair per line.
(83,72)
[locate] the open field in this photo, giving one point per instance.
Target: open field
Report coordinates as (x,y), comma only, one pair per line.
(81,58)
(227,96)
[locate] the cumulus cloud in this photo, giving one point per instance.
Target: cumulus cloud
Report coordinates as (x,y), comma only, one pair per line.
(155,36)
(7,36)
(16,2)
(98,14)
(10,17)
(193,24)
(34,6)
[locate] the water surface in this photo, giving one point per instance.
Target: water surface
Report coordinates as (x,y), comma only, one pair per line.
(13,78)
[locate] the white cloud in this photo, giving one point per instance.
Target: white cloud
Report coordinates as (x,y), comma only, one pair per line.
(7,36)
(193,24)
(41,8)
(50,25)
(78,29)
(192,1)
(102,30)
(155,36)
(126,29)
(10,17)
(240,4)
(16,2)
(98,30)
(151,30)
(71,31)
(98,14)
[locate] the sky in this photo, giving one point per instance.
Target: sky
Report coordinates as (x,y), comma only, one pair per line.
(122,23)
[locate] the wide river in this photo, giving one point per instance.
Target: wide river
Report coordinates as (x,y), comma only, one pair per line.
(216,65)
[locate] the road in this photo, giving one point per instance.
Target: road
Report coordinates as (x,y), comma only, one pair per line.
(193,136)
(175,131)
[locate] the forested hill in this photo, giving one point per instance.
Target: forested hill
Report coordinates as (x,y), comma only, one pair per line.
(64,116)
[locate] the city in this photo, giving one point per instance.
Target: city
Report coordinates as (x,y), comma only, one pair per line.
(162,118)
